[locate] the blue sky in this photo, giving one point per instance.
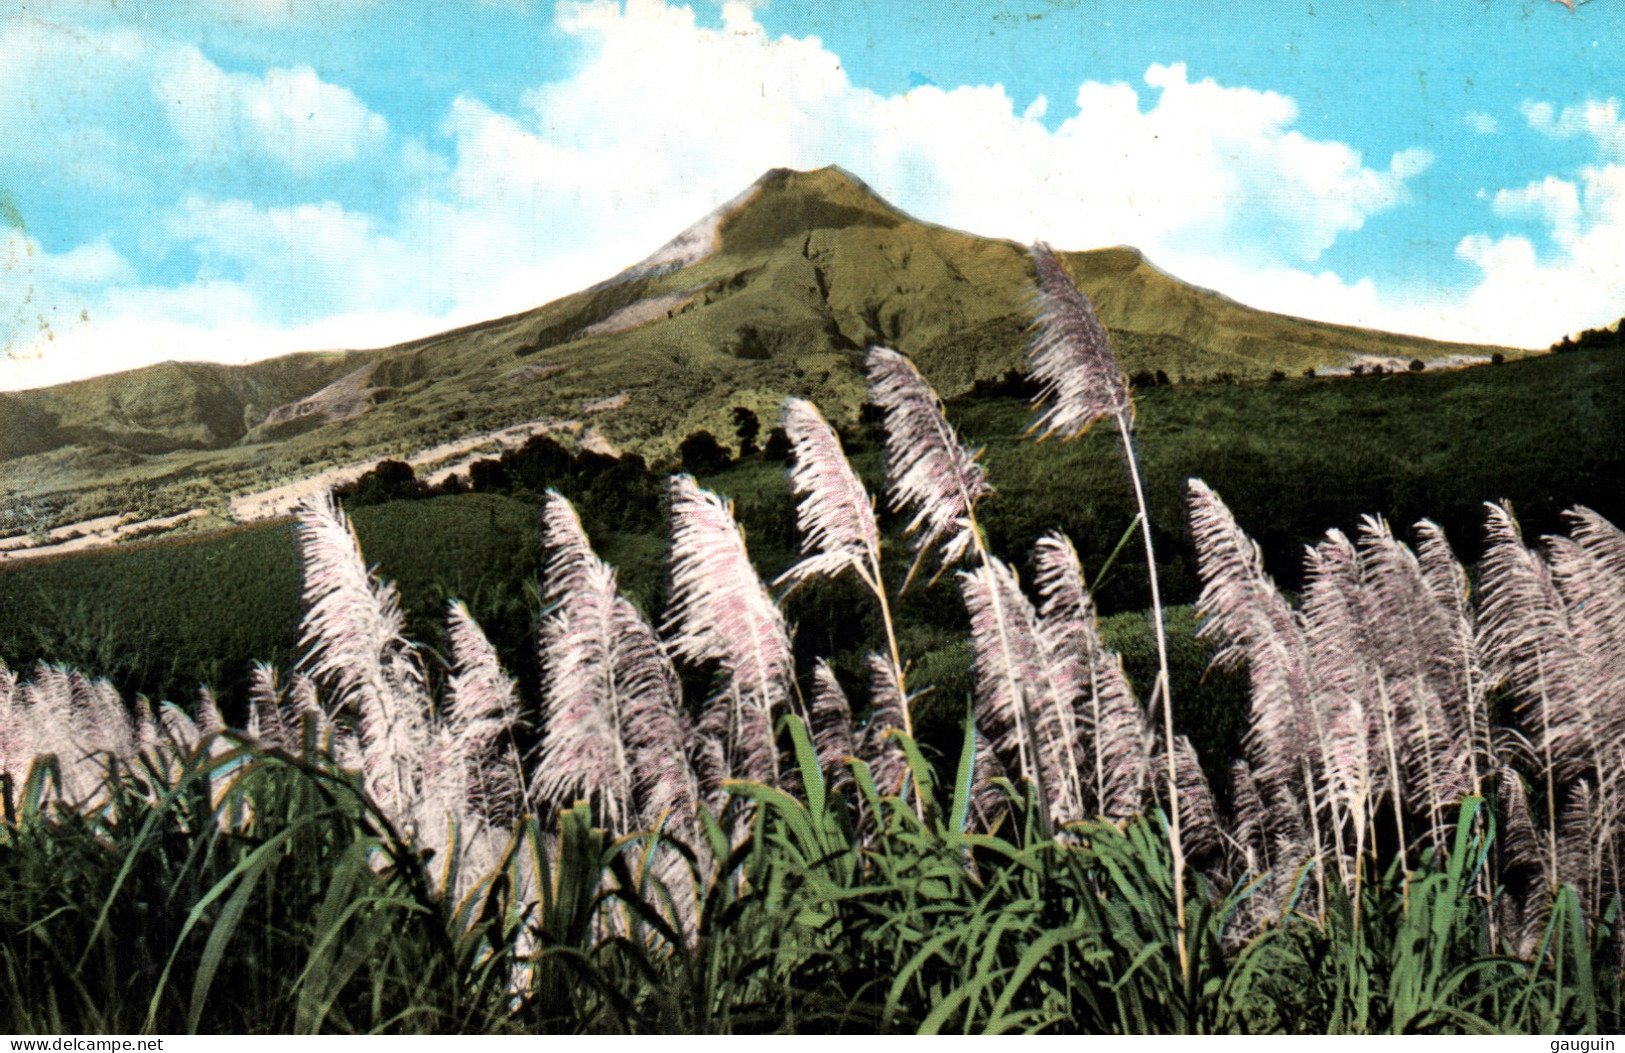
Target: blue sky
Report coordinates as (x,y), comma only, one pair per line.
(228,179)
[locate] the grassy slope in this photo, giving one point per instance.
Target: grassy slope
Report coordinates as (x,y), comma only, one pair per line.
(807,275)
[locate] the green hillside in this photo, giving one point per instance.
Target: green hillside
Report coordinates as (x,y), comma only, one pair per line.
(1291,459)
(806,271)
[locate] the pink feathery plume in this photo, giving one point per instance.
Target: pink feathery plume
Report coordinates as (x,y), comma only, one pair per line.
(1344,712)
(1198,815)
(209,719)
(1071,355)
(1412,636)
(1520,844)
(353,633)
(177,729)
(887,708)
(1578,838)
(265,710)
(1242,610)
(13,729)
(1588,568)
(988,803)
(1460,655)
(1530,641)
(928,471)
(146,729)
(1123,743)
(1094,707)
(615,725)
(1020,690)
(483,707)
(719,611)
(1251,826)
(833,739)
(834,513)
(104,718)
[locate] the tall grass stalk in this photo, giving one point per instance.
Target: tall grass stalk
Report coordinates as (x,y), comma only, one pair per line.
(1082,381)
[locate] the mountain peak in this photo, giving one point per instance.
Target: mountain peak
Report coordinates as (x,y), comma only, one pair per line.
(788,203)
(780,203)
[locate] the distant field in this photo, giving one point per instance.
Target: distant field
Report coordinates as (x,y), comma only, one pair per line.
(1291,459)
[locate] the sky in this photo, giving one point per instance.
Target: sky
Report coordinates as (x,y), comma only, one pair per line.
(230,179)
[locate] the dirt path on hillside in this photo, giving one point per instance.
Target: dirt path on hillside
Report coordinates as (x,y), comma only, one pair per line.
(443,461)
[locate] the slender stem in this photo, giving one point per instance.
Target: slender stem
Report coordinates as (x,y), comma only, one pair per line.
(1175,844)
(878,587)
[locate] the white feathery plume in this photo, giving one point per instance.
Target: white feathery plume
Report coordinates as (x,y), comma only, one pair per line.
(303,709)
(483,702)
(1519,843)
(615,720)
(54,728)
(1251,826)
(1072,358)
(209,719)
(1466,700)
(178,729)
(353,632)
(1577,843)
(13,729)
(988,803)
(832,735)
(1014,689)
(265,710)
(1410,639)
(834,514)
(836,518)
(1588,569)
(887,708)
(1201,831)
(105,718)
(720,611)
(1241,609)
(1529,640)
(1071,355)
(928,471)
(1096,710)
(1123,743)
(1070,645)
(583,755)
(146,729)
(482,708)
(1343,710)
(708,756)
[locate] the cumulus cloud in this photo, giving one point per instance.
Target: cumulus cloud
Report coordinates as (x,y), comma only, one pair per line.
(290,116)
(662,118)
(1535,293)
(1597,118)
(1481,122)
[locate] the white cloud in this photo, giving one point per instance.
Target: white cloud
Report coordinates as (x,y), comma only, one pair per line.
(291,116)
(1482,123)
(663,118)
(1578,283)
(1597,118)
(1553,201)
